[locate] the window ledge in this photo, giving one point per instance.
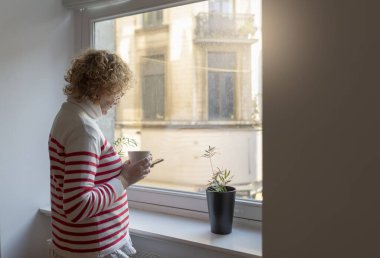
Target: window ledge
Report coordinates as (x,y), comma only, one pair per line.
(188,124)
(243,241)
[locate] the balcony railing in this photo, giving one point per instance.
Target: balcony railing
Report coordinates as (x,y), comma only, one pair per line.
(225,27)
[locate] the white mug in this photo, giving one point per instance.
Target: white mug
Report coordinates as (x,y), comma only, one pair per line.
(137,155)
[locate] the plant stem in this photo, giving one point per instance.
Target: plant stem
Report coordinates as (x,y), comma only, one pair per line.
(212,168)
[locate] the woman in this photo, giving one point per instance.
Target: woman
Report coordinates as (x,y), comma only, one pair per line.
(88,180)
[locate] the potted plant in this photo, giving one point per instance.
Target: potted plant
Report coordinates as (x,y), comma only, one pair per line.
(220,197)
(123,142)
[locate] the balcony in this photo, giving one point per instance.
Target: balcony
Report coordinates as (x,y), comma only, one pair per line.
(225,28)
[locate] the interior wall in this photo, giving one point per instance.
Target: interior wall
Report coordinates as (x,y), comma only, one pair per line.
(321,128)
(36,45)
(321,157)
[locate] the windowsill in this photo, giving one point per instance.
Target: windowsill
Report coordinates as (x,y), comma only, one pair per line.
(190,124)
(243,241)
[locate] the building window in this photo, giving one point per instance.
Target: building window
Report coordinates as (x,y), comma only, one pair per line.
(221,86)
(153,87)
(152,19)
(221,6)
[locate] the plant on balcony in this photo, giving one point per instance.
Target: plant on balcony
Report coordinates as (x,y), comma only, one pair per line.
(220,197)
(247,29)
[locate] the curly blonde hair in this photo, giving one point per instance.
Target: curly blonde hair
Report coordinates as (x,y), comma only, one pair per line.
(95,74)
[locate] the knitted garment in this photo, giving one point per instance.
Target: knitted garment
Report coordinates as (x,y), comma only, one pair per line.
(90,215)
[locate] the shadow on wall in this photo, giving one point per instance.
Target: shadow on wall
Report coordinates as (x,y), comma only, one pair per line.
(33,240)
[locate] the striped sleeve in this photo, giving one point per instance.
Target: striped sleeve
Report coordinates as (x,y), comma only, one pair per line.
(82,198)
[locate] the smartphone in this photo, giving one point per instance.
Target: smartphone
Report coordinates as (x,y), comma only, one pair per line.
(154,162)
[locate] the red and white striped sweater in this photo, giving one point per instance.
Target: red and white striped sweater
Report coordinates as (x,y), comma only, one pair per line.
(89,204)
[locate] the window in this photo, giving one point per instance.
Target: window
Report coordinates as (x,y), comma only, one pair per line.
(153,87)
(221,6)
(221,86)
(195,85)
(152,19)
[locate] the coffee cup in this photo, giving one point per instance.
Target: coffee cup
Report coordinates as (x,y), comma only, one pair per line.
(135,156)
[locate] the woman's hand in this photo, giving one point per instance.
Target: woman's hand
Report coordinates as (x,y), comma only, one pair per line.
(132,173)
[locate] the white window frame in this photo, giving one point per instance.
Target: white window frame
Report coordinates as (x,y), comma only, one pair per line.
(156,199)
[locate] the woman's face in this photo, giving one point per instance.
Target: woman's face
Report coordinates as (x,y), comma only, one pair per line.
(107,102)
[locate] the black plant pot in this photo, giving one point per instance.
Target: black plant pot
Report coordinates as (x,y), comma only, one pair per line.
(221,210)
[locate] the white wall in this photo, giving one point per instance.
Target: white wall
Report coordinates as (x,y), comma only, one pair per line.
(321,129)
(321,104)
(36,45)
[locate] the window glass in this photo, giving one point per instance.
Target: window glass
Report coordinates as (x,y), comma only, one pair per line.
(197,83)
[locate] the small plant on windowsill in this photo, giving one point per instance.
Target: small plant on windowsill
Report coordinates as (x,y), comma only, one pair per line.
(123,142)
(220,178)
(220,197)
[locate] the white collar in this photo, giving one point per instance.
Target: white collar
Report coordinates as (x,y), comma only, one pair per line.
(92,110)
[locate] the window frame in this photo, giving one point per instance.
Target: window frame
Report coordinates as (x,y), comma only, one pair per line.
(175,202)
